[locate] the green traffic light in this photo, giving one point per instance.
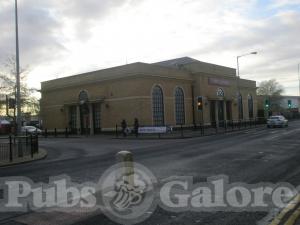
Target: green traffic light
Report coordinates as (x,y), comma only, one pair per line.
(267,104)
(289,103)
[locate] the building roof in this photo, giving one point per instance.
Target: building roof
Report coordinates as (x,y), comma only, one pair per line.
(175,63)
(180,68)
(196,66)
(134,69)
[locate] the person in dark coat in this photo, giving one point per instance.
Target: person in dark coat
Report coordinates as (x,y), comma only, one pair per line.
(136,127)
(124,128)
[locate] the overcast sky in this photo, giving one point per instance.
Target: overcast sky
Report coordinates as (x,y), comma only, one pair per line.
(64,37)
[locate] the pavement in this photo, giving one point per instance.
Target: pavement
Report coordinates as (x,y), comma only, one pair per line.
(26,159)
(250,156)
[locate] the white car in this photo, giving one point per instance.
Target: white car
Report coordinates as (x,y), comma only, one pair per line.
(277,121)
(31,130)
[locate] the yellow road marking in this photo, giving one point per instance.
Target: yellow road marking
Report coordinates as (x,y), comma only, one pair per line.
(287,209)
(293,218)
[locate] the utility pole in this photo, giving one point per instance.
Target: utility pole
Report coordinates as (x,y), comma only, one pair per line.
(18,92)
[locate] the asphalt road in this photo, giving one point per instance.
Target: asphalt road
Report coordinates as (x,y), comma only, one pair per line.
(252,156)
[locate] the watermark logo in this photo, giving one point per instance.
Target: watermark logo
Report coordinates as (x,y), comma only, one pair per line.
(127,193)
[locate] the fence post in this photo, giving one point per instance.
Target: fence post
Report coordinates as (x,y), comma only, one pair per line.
(31,145)
(66,133)
(202,127)
(10,149)
(117,134)
(37,144)
(55,132)
(126,167)
(181,128)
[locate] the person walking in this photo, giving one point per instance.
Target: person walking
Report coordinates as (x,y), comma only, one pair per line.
(136,127)
(124,128)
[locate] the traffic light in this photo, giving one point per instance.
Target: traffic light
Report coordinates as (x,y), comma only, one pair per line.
(289,104)
(267,103)
(11,103)
(199,102)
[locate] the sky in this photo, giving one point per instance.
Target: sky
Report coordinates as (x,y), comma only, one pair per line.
(59,38)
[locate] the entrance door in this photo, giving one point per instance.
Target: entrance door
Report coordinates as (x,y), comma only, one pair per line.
(84,119)
(212,112)
(73,119)
(221,111)
(228,110)
(97,117)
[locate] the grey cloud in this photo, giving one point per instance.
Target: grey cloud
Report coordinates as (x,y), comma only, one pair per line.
(38,32)
(41,24)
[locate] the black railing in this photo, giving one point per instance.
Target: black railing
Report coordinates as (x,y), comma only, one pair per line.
(14,147)
(182,131)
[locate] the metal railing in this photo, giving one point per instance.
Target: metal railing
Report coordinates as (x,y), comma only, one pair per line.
(14,147)
(182,131)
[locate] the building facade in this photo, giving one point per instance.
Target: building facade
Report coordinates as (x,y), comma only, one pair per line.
(158,94)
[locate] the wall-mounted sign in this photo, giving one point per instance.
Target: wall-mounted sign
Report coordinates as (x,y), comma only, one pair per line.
(218,82)
(220,92)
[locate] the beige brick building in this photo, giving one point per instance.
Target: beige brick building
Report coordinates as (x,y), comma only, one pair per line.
(163,93)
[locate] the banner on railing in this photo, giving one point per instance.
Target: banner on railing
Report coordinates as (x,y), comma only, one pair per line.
(152,130)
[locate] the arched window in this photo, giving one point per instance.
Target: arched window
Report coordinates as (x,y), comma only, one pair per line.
(220,92)
(158,106)
(83,97)
(240,106)
(179,106)
(250,106)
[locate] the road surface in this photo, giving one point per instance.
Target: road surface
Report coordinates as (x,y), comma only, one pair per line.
(250,156)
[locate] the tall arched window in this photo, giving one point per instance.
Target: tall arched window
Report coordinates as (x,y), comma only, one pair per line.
(250,106)
(158,106)
(179,106)
(83,97)
(240,105)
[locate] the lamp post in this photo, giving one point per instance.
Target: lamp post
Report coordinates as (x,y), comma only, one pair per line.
(299,76)
(238,79)
(18,92)
(299,86)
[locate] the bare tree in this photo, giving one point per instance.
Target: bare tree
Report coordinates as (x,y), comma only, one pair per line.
(272,91)
(270,88)
(29,103)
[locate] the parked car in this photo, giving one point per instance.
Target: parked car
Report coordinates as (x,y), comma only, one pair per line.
(31,130)
(277,121)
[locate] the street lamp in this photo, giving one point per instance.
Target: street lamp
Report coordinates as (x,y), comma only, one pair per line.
(18,92)
(238,79)
(299,76)
(237,60)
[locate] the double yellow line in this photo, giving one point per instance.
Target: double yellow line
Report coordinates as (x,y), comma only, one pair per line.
(291,207)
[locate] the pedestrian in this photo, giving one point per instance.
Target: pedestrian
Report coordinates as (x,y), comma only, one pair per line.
(124,128)
(136,127)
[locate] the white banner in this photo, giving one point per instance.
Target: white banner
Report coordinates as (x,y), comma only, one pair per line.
(152,130)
